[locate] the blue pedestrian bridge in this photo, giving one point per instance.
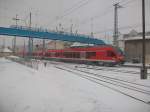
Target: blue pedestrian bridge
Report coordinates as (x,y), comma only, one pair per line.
(21,31)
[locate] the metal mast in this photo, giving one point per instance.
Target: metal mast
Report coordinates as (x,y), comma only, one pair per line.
(24,47)
(143,69)
(30,42)
(44,47)
(14,42)
(92,34)
(115,35)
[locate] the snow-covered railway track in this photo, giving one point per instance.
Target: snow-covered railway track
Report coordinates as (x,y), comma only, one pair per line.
(111,78)
(118,69)
(117,85)
(111,69)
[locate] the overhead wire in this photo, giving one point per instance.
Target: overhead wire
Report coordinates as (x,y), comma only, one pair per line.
(75,5)
(120,28)
(69,11)
(74,8)
(123,3)
(128,2)
(109,10)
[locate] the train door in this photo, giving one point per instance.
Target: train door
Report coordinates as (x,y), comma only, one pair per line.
(111,55)
(83,55)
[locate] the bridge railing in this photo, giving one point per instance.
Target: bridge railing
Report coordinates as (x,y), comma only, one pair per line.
(47,30)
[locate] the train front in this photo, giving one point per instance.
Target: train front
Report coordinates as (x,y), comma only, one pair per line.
(120,56)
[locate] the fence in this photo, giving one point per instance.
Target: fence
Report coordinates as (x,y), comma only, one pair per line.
(32,63)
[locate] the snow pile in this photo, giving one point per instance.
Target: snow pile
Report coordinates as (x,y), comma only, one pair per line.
(6,50)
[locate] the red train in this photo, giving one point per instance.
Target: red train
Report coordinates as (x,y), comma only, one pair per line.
(102,55)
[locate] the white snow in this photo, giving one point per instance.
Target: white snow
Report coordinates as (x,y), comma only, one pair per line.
(49,89)
(136,64)
(76,44)
(12,56)
(6,50)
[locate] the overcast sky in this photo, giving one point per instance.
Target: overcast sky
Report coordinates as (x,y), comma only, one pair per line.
(85,15)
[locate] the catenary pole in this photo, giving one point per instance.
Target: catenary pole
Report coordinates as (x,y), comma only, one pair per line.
(30,39)
(143,69)
(16,19)
(116,33)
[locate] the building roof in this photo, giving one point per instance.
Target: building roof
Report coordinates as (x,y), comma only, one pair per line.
(136,38)
(133,35)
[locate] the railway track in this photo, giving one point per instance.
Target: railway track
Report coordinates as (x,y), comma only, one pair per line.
(111,69)
(107,77)
(135,66)
(111,83)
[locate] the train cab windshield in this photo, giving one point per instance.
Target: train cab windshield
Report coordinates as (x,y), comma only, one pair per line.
(119,51)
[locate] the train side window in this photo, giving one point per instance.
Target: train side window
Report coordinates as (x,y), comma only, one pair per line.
(53,54)
(57,54)
(78,55)
(46,54)
(67,54)
(90,54)
(110,54)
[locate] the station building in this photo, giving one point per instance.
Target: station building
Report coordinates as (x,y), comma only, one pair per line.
(132,45)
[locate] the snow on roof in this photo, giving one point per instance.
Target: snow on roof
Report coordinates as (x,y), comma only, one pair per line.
(77,44)
(136,38)
(134,35)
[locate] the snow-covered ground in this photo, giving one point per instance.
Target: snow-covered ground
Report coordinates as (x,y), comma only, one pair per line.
(50,89)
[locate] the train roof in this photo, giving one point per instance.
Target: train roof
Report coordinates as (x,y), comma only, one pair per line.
(83,48)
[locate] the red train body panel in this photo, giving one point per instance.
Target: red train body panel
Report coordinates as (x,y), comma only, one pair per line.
(105,54)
